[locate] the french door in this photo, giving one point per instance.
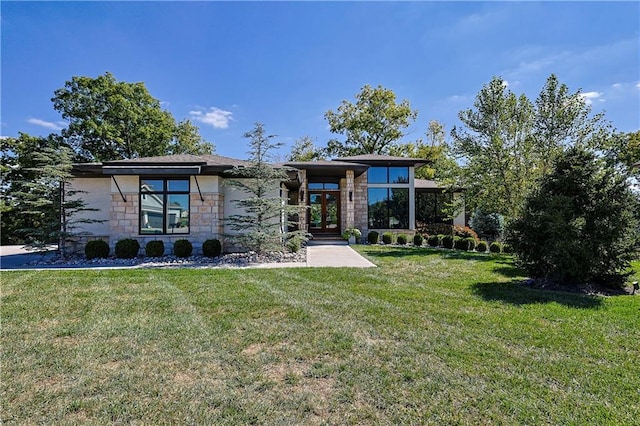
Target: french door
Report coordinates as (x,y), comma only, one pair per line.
(324,212)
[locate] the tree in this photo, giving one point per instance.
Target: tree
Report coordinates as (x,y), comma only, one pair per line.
(262,226)
(579,225)
(304,149)
(187,140)
(112,120)
(48,202)
(370,125)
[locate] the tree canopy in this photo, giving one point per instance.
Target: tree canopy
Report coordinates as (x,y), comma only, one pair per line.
(370,125)
(112,120)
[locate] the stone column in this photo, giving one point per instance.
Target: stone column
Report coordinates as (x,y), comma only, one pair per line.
(350,200)
(302,201)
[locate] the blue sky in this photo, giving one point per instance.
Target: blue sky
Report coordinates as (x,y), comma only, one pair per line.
(226,65)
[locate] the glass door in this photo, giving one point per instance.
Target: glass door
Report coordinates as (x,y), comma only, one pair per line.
(324,212)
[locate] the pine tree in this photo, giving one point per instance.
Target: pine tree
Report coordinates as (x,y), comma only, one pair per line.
(263,225)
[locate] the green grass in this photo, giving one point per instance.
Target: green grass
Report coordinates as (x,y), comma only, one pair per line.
(428,337)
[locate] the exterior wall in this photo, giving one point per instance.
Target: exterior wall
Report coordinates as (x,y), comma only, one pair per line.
(93,195)
(302,201)
(361,204)
(460,219)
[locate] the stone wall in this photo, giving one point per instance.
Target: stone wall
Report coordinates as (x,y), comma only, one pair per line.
(361,204)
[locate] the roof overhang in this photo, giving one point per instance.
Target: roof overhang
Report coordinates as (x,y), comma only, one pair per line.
(151,170)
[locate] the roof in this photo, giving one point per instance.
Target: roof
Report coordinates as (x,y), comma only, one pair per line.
(204,160)
(384,160)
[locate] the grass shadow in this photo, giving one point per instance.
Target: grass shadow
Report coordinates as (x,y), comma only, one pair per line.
(514,293)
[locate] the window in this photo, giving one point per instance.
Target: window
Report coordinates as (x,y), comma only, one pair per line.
(388,208)
(164,206)
(323,186)
(388,175)
(430,207)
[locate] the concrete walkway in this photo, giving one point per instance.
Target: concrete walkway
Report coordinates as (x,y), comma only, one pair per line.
(318,256)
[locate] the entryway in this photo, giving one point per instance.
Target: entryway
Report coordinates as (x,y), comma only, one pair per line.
(324,212)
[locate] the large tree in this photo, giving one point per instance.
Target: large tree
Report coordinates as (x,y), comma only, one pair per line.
(371,125)
(579,224)
(506,143)
(262,222)
(304,149)
(111,120)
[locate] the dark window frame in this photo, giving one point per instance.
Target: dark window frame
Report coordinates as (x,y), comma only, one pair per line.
(387,180)
(388,208)
(165,193)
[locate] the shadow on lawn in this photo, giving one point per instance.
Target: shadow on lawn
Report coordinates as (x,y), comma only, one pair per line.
(516,293)
(399,252)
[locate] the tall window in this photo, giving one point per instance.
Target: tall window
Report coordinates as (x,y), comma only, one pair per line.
(164,206)
(430,207)
(388,196)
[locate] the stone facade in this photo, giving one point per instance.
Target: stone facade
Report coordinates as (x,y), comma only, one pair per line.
(361,204)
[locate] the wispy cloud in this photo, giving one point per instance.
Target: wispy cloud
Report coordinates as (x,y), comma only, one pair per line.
(638,85)
(215,117)
(58,125)
(589,97)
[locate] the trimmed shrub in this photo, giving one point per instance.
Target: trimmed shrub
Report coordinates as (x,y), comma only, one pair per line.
(373,237)
(495,247)
(402,239)
(96,249)
(471,243)
(460,243)
(182,248)
(447,241)
(154,248)
(482,246)
(211,248)
(506,248)
(127,248)
(418,239)
(387,238)
(434,240)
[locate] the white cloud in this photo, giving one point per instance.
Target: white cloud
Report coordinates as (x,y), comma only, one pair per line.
(638,85)
(589,97)
(47,124)
(616,85)
(215,117)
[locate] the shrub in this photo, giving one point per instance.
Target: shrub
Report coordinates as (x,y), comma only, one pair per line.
(402,239)
(373,237)
(96,249)
(352,232)
(387,238)
(471,243)
(482,246)
(460,243)
(487,225)
(465,232)
(182,248)
(447,241)
(154,248)
(434,240)
(127,248)
(495,247)
(211,248)
(506,248)
(418,239)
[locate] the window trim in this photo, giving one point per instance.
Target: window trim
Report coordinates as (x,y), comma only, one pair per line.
(165,193)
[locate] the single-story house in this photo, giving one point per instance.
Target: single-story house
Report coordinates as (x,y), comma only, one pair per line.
(184,196)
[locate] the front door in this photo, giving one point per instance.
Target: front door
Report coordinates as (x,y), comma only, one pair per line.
(324,212)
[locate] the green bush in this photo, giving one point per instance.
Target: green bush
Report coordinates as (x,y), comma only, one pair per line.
(487,225)
(460,243)
(387,238)
(294,244)
(482,246)
(402,239)
(434,240)
(506,248)
(182,248)
(465,232)
(96,249)
(373,237)
(471,243)
(435,229)
(447,241)
(418,239)
(495,247)
(127,248)
(211,248)
(154,248)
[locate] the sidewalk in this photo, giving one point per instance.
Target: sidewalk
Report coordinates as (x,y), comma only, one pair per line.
(335,256)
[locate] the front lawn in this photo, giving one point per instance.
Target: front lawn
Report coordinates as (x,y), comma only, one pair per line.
(430,336)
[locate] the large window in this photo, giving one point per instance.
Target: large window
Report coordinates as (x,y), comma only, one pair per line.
(164,206)
(388,208)
(430,207)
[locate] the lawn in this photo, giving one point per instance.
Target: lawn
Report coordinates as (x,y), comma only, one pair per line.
(428,337)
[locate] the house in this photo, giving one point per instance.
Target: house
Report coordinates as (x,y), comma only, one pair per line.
(184,196)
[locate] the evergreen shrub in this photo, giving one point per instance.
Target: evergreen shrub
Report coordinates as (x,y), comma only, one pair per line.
(212,248)
(154,248)
(418,239)
(373,237)
(182,248)
(96,249)
(482,246)
(495,247)
(387,238)
(434,240)
(127,248)
(447,241)
(402,239)
(471,243)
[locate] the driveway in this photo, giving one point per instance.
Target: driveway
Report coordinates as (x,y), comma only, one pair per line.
(13,257)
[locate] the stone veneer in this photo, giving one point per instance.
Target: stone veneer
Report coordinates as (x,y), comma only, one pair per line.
(205,220)
(361,204)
